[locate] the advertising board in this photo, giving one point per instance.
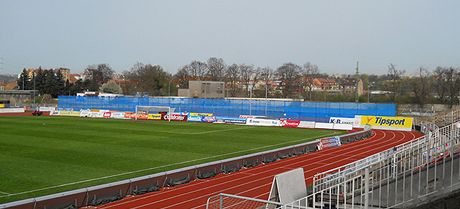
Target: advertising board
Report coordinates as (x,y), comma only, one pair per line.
(290,123)
(324,125)
(107,114)
(118,115)
(175,117)
(69,113)
(84,113)
(247,116)
(200,114)
(154,117)
(329,142)
(306,124)
(339,120)
(388,123)
(46,109)
(208,119)
(194,118)
(140,116)
(230,120)
(12,110)
(262,122)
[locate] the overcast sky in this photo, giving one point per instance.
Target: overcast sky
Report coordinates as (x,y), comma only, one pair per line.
(171,33)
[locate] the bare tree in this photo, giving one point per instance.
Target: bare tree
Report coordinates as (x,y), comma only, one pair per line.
(447,84)
(309,73)
(232,77)
(395,76)
(453,82)
(289,75)
(246,76)
(216,69)
(422,86)
(182,77)
(198,70)
(266,75)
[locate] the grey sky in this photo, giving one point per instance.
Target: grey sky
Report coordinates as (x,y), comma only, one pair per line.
(171,33)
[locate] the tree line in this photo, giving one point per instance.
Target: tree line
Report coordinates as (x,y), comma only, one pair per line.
(290,80)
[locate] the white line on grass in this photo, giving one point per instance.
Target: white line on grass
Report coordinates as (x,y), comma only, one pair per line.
(164,166)
(2,193)
(207,132)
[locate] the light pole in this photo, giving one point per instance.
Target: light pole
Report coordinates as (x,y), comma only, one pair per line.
(266,97)
(169,88)
(368,92)
(250,99)
(33,73)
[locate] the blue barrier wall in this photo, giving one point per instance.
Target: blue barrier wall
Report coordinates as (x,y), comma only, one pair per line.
(318,111)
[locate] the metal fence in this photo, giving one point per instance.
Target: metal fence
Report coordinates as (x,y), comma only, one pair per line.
(316,111)
(408,175)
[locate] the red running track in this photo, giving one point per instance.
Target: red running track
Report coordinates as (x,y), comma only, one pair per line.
(256,182)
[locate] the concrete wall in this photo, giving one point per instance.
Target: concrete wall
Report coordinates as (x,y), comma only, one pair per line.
(17,96)
(183,93)
(206,89)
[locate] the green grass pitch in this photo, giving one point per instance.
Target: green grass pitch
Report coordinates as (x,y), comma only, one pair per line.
(45,155)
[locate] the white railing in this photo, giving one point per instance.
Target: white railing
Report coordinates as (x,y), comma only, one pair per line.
(419,168)
(228,201)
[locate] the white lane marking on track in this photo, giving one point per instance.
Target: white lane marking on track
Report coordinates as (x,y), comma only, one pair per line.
(164,166)
(134,200)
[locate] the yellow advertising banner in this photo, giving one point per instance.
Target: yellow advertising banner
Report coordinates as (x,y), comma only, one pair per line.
(2,105)
(69,113)
(386,122)
(200,114)
(154,117)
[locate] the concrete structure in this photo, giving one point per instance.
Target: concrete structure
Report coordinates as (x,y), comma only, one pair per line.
(203,89)
(360,88)
(18,96)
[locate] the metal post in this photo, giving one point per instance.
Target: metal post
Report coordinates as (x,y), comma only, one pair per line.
(169,88)
(366,189)
(34,86)
(250,101)
(221,201)
(266,98)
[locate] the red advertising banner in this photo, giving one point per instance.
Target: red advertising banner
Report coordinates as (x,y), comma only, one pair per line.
(130,115)
(290,123)
(107,114)
(140,116)
(174,117)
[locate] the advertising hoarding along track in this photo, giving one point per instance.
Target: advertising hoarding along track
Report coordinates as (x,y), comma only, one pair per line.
(388,123)
(174,117)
